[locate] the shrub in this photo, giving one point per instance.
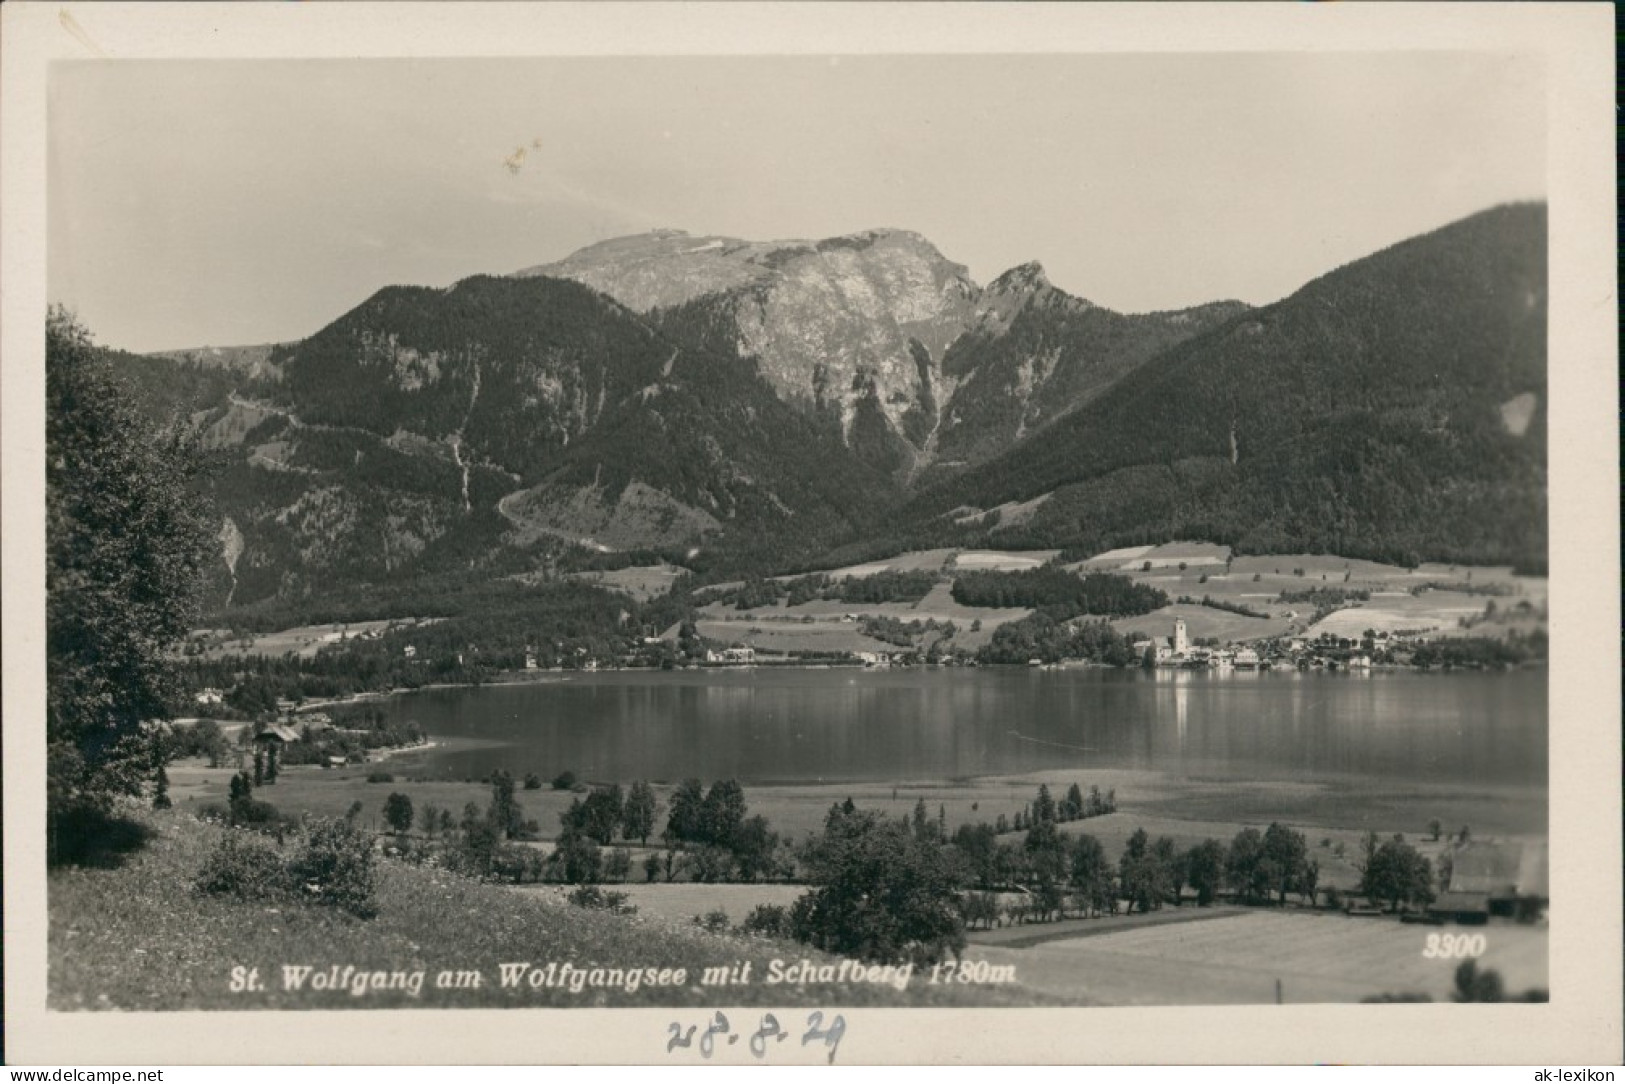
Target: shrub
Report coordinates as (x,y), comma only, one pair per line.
(594,898)
(380,777)
(767,920)
(335,867)
(258,815)
(713,921)
(565,780)
(244,866)
(533,781)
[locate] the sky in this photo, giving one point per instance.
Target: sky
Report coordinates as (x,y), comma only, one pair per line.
(230,202)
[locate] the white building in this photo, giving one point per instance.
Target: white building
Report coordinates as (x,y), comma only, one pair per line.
(1182,644)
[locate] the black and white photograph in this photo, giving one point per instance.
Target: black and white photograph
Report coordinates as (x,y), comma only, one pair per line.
(770,535)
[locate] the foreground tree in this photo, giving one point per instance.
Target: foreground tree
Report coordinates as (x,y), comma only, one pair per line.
(126,540)
(1399,874)
(882,894)
(1285,862)
(1094,888)
(638,814)
(1204,870)
(1245,867)
(398,813)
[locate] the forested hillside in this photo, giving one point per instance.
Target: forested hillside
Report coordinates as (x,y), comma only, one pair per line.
(1052,354)
(1392,409)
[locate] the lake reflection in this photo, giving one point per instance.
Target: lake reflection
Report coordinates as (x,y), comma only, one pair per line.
(763,725)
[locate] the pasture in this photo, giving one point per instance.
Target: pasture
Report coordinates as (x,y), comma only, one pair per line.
(642,583)
(1238,958)
(303,641)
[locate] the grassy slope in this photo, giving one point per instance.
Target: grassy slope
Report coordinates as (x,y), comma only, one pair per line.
(138,938)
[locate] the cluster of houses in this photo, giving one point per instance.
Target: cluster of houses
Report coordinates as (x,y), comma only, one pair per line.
(1178,651)
(1324,652)
(1502,879)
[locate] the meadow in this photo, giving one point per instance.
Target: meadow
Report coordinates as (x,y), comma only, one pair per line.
(139,937)
(1240,956)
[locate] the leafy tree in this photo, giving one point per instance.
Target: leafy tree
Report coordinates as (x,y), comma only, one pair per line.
(1285,862)
(684,817)
(504,812)
(976,848)
(578,858)
(1046,853)
(619,864)
(638,813)
(126,541)
(1204,870)
(597,818)
(921,821)
(1091,876)
(1073,804)
(1142,873)
(1171,867)
(1398,874)
(708,863)
(882,894)
(1044,806)
(754,849)
(398,812)
(722,813)
(1244,866)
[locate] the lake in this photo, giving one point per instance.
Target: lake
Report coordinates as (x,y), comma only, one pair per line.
(837,725)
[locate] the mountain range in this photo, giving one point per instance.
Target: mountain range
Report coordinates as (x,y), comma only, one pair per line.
(763,406)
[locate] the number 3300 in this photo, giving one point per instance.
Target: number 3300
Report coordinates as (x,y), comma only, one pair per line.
(1452,946)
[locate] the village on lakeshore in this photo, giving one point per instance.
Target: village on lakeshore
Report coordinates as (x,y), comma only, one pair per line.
(1222,612)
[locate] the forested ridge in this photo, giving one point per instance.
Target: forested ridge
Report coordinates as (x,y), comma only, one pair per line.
(1361,416)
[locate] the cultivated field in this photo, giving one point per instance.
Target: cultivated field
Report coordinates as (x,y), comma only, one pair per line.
(949,560)
(1202,621)
(1238,959)
(833,625)
(781,636)
(1167,555)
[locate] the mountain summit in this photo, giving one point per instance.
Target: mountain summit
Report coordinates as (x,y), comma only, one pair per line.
(857,328)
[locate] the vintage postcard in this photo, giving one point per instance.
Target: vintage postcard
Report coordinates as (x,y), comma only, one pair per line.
(756,534)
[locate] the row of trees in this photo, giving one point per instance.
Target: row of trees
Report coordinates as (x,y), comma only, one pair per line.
(1060,594)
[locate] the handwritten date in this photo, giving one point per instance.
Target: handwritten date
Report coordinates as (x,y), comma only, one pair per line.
(769,1031)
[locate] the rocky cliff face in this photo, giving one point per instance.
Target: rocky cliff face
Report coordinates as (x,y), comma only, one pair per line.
(853,327)
(860,330)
